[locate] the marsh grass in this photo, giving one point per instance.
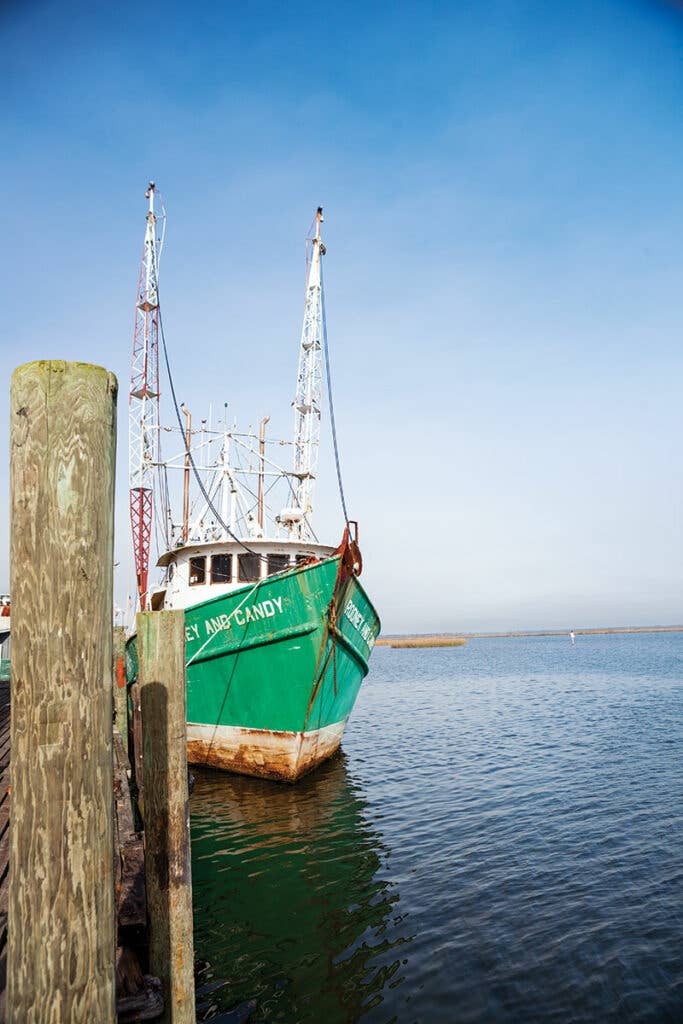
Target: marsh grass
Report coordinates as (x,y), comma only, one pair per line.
(422,641)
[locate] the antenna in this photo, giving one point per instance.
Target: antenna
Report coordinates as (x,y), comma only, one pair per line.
(143,421)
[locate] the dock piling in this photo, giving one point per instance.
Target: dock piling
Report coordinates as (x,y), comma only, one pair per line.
(120,689)
(61,929)
(137,758)
(161,652)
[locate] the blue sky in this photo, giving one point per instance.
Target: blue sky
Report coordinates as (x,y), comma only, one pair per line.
(504,222)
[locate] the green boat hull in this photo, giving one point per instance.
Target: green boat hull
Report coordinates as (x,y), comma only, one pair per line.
(274,669)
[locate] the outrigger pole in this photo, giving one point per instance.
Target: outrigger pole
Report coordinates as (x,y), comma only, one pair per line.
(261,470)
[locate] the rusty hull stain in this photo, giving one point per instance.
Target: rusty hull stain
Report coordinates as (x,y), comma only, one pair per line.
(265,753)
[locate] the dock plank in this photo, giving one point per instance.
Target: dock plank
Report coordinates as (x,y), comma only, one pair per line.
(129,866)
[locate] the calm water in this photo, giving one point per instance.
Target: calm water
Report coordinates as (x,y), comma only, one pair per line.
(501,840)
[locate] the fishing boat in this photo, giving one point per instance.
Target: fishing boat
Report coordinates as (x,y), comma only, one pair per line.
(278,627)
(4,638)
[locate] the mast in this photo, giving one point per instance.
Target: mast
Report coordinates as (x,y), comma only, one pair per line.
(261,470)
(308,396)
(143,421)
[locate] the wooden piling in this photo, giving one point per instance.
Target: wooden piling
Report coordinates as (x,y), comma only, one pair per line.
(119,684)
(137,758)
(161,652)
(61,929)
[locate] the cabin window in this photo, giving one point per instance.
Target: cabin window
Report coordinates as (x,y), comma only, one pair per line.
(301,559)
(249,568)
(171,571)
(197,570)
(221,569)
(277,563)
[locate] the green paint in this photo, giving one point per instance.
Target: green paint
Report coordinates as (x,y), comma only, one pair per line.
(268,656)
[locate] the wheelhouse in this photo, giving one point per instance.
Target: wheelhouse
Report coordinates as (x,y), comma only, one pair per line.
(198,572)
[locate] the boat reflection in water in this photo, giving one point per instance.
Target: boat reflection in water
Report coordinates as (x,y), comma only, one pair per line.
(292,915)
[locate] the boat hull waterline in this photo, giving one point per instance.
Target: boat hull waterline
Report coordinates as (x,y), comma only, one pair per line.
(274,669)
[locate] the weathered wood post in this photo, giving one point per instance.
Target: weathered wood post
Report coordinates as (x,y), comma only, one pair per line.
(61,931)
(137,760)
(161,654)
(119,684)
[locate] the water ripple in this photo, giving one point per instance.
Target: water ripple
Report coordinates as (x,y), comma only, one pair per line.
(500,841)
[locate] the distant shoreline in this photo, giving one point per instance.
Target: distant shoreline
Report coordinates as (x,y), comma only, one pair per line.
(449,639)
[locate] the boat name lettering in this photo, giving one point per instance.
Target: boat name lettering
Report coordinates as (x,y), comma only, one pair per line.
(357,620)
(263,610)
(252,613)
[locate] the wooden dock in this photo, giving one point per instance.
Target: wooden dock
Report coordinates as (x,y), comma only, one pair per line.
(138,997)
(4,837)
(95,918)
(129,890)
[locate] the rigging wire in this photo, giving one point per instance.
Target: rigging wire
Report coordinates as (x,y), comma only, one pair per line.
(188,451)
(286,477)
(328,374)
(167,504)
(161,502)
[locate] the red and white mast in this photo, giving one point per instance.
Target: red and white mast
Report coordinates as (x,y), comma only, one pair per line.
(143,422)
